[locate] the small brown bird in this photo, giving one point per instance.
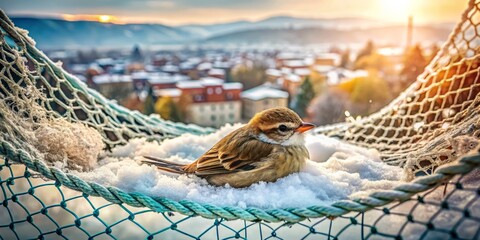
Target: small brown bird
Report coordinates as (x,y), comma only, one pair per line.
(269,147)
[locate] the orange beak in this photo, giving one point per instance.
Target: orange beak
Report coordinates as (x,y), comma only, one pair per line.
(304,127)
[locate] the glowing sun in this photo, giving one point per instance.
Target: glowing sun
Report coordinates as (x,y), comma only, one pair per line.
(105,18)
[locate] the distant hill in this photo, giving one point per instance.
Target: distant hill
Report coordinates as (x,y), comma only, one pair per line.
(282,22)
(61,34)
(55,33)
(311,35)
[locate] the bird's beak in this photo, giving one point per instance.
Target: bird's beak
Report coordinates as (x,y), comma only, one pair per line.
(304,127)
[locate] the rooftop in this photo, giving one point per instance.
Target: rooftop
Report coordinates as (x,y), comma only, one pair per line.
(302,71)
(323,68)
(295,63)
(223,65)
(391,51)
(140,75)
(105,61)
(170,68)
(190,84)
(211,81)
(165,78)
(293,78)
(232,85)
(289,55)
(273,72)
(333,56)
(216,71)
(170,92)
(263,92)
(109,78)
(204,66)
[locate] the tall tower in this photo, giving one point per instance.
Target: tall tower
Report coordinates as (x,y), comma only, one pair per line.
(409,31)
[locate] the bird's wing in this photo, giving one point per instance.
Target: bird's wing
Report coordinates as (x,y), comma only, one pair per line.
(237,151)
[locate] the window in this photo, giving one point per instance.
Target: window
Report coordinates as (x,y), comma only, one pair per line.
(265,102)
(231,115)
(209,91)
(213,117)
(221,107)
(229,96)
(213,107)
(218,90)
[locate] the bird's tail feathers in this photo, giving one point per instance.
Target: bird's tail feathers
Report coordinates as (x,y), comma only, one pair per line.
(164,165)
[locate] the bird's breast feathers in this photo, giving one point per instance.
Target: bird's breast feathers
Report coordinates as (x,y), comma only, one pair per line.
(297,139)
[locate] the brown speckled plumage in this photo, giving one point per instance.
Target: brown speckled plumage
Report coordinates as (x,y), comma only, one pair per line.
(243,157)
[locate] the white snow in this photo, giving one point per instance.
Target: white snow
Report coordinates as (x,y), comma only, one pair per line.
(263,92)
(337,171)
(158,78)
(232,86)
(203,82)
(273,72)
(111,78)
(302,72)
(216,71)
(170,92)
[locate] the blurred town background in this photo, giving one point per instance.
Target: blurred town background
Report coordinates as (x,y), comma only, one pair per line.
(326,69)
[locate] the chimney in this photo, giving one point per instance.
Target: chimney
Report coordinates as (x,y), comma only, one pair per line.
(409,31)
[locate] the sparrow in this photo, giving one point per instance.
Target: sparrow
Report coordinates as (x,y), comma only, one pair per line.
(269,147)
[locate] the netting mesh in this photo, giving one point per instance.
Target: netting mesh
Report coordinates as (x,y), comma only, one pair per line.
(441,105)
(433,122)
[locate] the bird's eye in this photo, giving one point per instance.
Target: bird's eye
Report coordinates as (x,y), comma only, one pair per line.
(282,128)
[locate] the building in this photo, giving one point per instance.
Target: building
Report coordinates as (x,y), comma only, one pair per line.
(163,81)
(261,98)
(217,73)
(273,74)
(140,80)
(170,69)
(113,86)
(288,58)
(291,83)
(173,93)
(327,59)
(210,101)
(335,75)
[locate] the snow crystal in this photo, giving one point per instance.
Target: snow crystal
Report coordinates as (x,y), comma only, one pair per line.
(337,171)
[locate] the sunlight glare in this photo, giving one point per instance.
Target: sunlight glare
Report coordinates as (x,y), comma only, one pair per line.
(105,18)
(396,9)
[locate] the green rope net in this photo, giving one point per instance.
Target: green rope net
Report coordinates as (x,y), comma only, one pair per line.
(432,129)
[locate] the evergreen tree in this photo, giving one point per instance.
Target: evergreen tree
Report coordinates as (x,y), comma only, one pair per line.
(304,96)
(414,63)
(345,59)
(368,50)
(149,104)
(136,55)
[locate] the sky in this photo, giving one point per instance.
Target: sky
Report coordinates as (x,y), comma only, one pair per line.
(178,12)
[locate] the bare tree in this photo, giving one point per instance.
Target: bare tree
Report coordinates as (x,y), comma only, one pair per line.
(329,107)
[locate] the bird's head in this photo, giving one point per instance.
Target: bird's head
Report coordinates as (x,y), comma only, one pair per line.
(279,126)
